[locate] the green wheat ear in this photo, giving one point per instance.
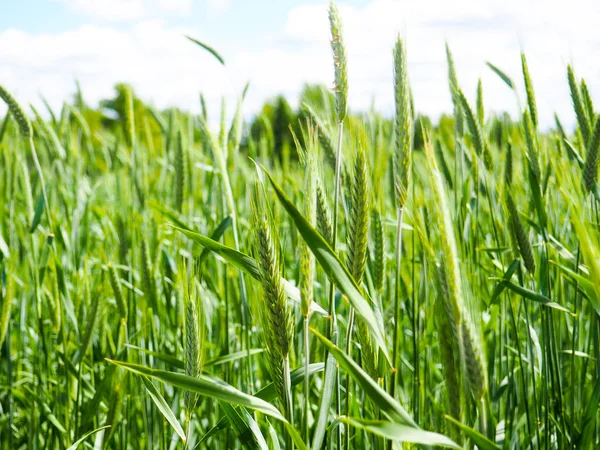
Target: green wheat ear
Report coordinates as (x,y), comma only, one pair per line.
(402,124)
(180,171)
(586,97)
(590,166)
(193,341)
(480,107)
(307,263)
(481,147)
(115,284)
(474,358)
(358,220)
(148,283)
(323,214)
(518,232)
(508,166)
(17,112)
(452,77)
(357,238)
(129,120)
(275,312)
(379,250)
(340,63)
(448,346)
(532,151)
(454,87)
(529,90)
(582,118)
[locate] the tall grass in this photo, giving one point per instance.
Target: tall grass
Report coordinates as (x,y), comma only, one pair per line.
(366,288)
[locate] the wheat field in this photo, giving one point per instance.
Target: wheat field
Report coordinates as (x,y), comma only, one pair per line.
(372,283)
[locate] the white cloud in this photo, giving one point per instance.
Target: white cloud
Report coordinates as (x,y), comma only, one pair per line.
(166,68)
(158,61)
(219,5)
(177,6)
(112,10)
(127,10)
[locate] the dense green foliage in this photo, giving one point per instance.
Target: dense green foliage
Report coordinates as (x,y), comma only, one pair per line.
(162,283)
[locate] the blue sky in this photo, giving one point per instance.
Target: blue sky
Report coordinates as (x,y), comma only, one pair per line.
(279,45)
(223,20)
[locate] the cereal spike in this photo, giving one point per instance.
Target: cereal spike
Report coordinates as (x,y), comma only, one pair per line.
(17,112)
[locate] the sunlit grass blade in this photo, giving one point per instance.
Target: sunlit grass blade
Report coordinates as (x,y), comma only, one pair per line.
(267,393)
(245,427)
(532,295)
(79,441)
(384,401)
(208,48)
(400,433)
(503,76)
(206,387)
(479,439)
(163,407)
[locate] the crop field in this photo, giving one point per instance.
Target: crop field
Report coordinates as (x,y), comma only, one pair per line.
(340,280)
